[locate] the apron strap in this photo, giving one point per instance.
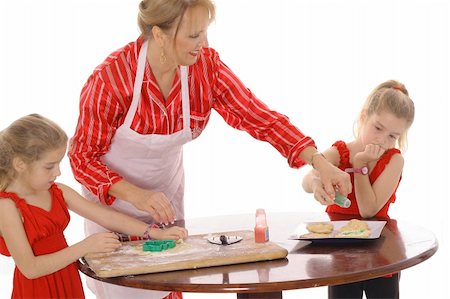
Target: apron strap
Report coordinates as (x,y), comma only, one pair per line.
(185,98)
(137,84)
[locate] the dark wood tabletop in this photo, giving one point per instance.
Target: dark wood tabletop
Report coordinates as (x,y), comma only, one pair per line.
(400,246)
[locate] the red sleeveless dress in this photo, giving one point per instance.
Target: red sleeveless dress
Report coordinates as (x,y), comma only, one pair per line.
(45,235)
(344,154)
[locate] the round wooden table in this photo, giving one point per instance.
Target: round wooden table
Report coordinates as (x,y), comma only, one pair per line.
(400,246)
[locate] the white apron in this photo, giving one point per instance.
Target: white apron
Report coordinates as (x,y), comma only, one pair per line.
(153,162)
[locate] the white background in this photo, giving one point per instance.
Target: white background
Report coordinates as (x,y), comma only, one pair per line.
(313,60)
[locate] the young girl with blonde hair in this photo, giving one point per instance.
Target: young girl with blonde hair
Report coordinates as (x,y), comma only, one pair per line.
(375,163)
(34,213)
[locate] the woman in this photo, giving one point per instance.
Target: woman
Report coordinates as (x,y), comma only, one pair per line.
(152,96)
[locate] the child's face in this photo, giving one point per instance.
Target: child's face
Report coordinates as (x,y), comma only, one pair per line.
(383,129)
(41,174)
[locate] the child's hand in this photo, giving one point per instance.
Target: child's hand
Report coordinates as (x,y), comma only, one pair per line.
(171,233)
(320,194)
(102,242)
(372,152)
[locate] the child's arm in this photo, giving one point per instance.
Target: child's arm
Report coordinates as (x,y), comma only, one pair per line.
(371,198)
(13,232)
(116,221)
(312,182)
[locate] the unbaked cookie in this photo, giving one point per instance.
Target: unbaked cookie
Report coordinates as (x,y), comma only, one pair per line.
(354,229)
(320,228)
(315,236)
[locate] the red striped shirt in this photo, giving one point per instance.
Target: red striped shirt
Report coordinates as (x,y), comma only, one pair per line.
(107,95)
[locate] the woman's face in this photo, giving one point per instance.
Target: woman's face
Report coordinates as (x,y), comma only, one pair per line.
(382,129)
(191,36)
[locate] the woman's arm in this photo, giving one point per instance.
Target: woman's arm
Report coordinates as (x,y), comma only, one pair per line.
(242,110)
(312,181)
(101,113)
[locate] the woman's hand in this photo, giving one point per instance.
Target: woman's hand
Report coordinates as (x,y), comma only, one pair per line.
(101,242)
(319,192)
(171,233)
(333,179)
(155,203)
(152,202)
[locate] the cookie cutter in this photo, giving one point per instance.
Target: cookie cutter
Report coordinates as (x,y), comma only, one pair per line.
(158,245)
(224,240)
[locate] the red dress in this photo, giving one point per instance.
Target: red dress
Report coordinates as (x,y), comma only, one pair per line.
(45,235)
(344,154)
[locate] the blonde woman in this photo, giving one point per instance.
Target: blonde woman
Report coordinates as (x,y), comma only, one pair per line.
(147,99)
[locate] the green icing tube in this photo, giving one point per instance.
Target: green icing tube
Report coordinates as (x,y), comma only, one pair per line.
(342,201)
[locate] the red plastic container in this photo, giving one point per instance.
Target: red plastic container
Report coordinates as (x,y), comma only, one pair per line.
(261,228)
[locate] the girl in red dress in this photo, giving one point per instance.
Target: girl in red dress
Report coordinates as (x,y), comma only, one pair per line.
(375,164)
(34,213)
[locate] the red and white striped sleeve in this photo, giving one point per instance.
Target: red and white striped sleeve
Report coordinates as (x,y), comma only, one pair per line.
(92,138)
(242,110)
(104,101)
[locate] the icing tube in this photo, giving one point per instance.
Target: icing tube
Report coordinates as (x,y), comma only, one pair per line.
(342,201)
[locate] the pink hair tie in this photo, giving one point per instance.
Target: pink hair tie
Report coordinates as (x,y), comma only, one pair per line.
(398,88)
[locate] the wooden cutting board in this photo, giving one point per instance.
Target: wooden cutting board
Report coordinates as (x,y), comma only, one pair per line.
(194,252)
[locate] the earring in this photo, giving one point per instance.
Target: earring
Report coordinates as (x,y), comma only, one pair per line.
(162,57)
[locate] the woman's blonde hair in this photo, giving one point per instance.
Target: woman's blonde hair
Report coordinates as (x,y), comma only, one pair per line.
(27,138)
(167,13)
(390,96)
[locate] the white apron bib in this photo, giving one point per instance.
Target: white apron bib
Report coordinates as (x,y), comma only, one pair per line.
(153,162)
